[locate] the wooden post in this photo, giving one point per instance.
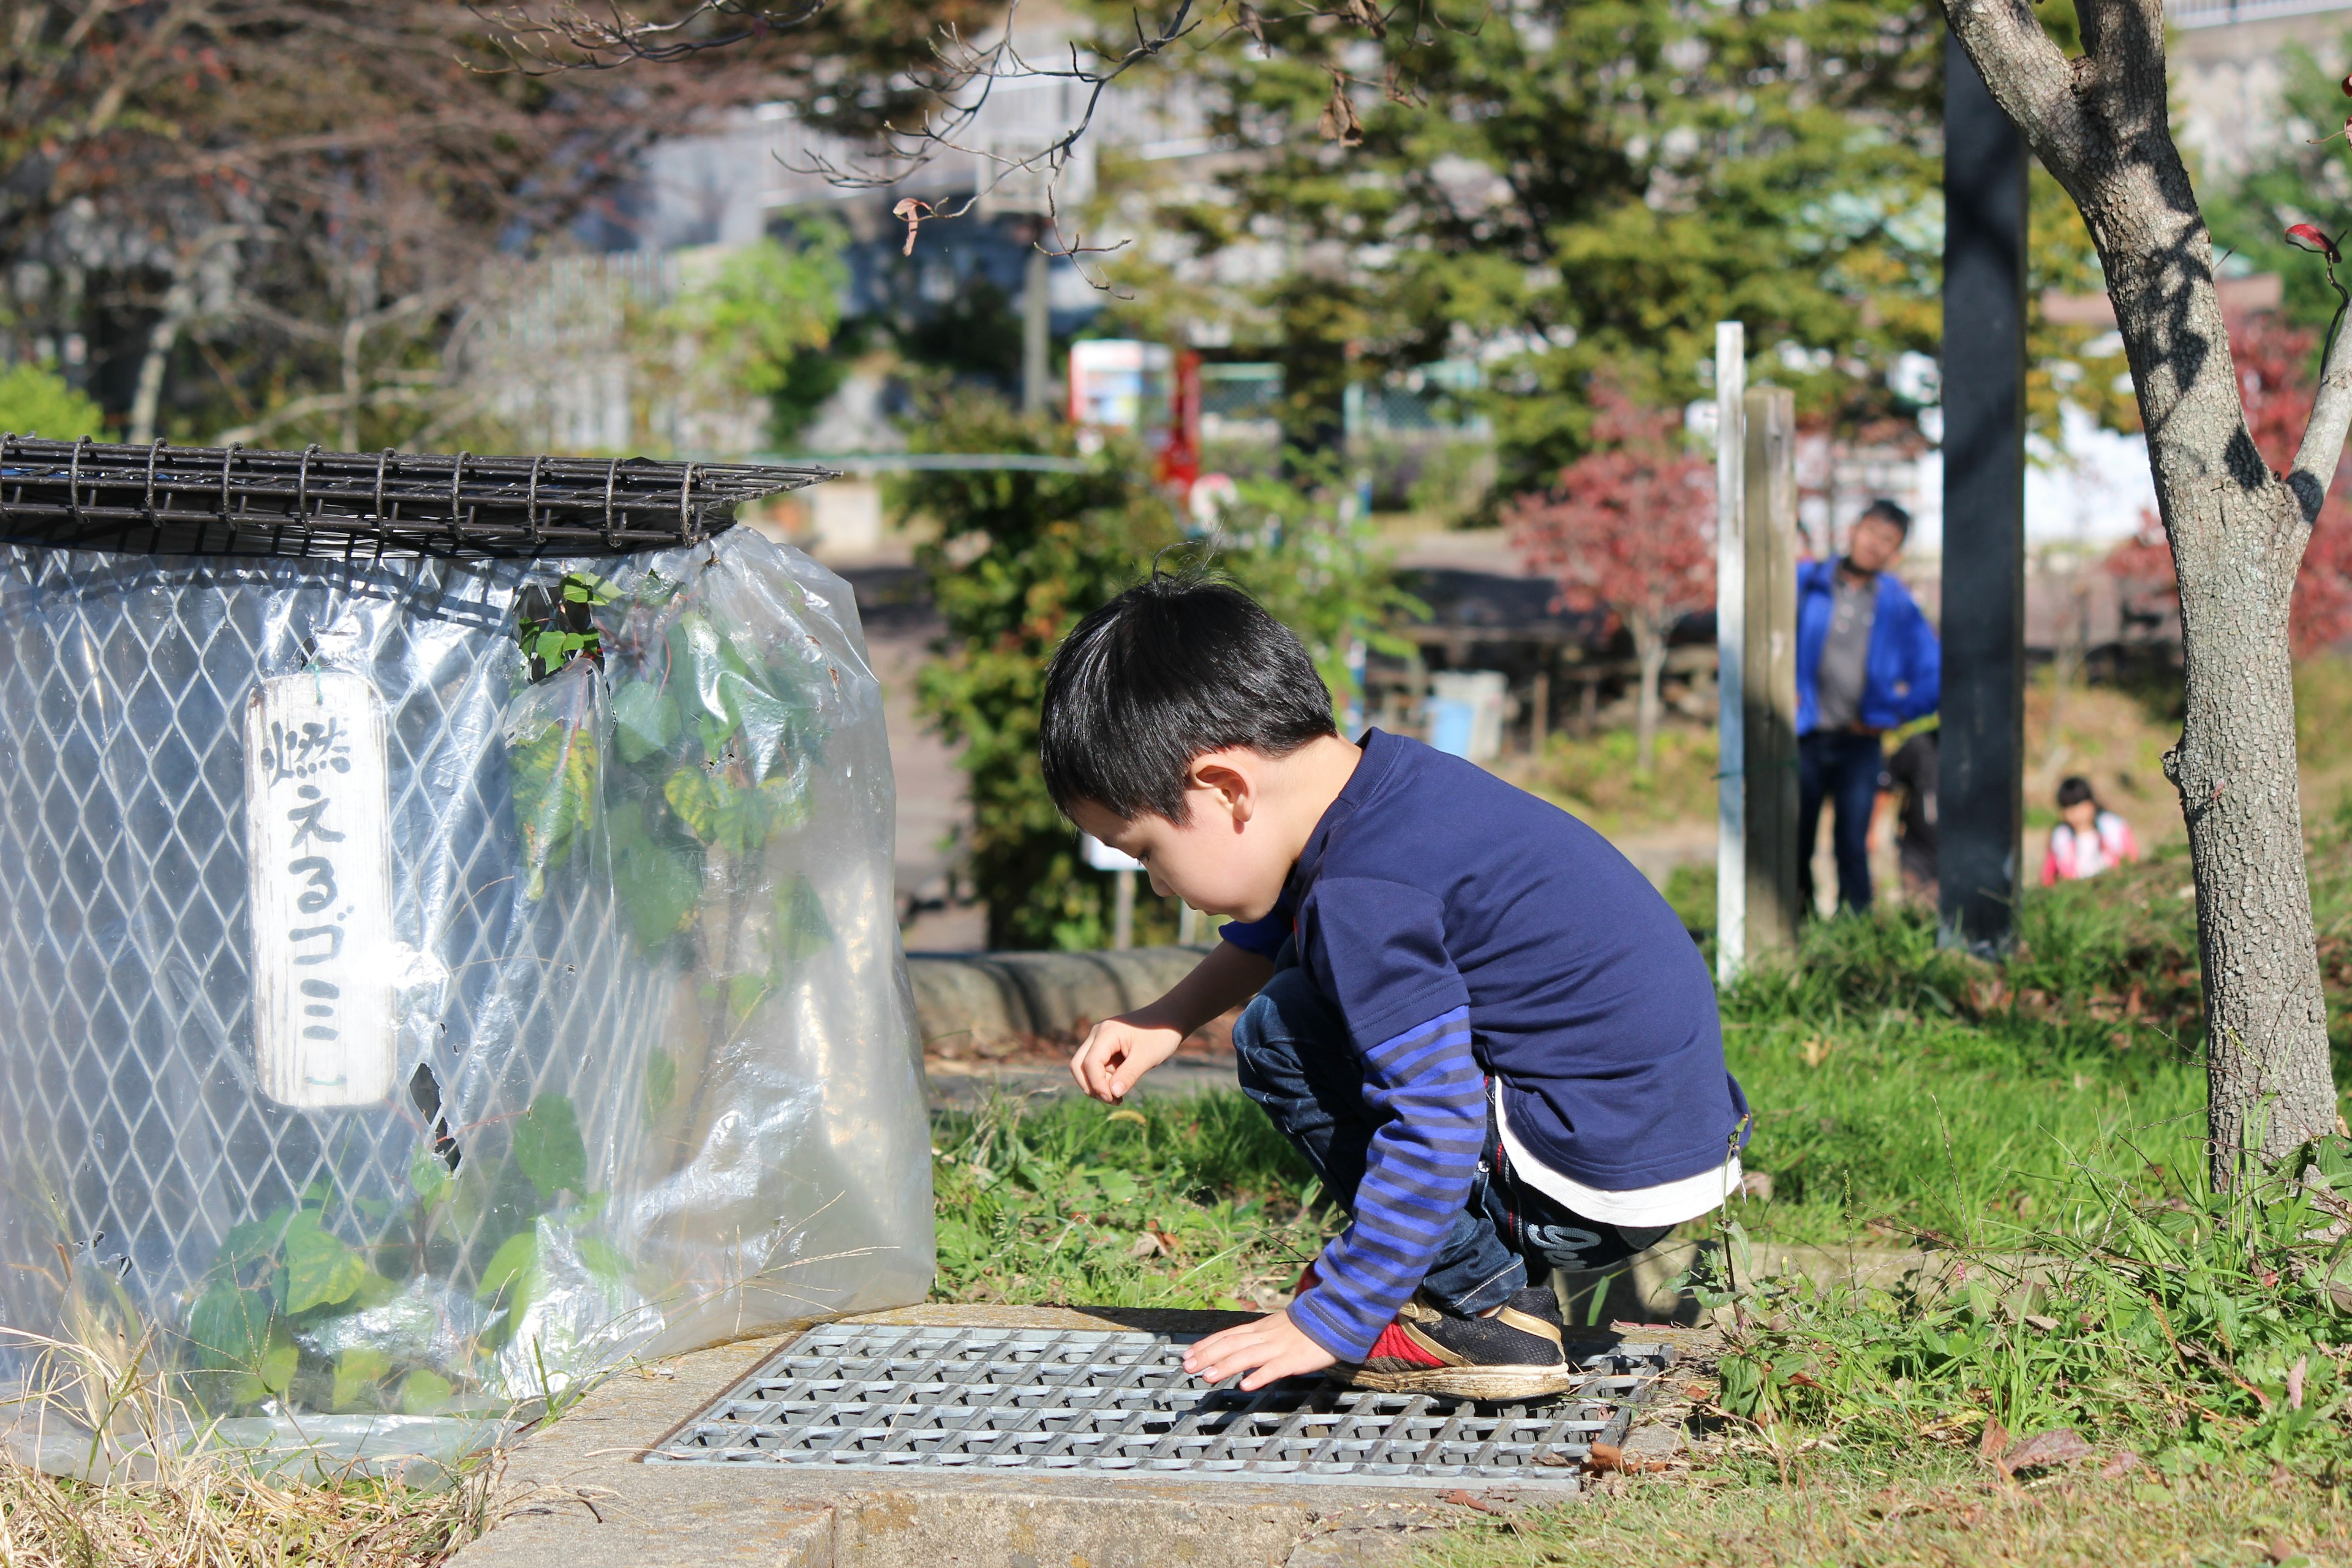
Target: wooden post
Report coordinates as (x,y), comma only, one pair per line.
(1730,648)
(1122,929)
(1768,707)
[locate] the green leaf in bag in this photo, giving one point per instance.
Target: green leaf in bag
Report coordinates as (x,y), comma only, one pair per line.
(552,766)
(358,1371)
(230,1325)
(425,1393)
(732,818)
(429,1173)
(321,1270)
(547,1146)
(661,1083)
(512,1268)
(802,930)
(645,721)
(658,886)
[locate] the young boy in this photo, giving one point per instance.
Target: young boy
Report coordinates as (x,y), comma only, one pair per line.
(1481,1026)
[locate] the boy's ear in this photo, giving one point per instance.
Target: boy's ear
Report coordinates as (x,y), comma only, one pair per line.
(1232,787)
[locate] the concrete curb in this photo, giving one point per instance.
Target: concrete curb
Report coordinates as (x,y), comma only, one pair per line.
(986,998)
(574,1496)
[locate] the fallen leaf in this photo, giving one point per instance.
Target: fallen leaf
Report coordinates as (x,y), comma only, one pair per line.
(1605,1459)
(2121,1463)
(2059,1446)
(2036,1320)
(1149,1244)
(1460,1498)
(1815,1051)
(1995,1438)
(2295,1375)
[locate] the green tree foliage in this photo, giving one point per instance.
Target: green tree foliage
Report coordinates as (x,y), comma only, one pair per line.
(764,320)
(1019,559)
(1580,185)
(1562,187)
(34,400)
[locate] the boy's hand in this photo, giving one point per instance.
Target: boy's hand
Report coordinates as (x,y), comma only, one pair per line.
(1269,1349)
(1118,1052)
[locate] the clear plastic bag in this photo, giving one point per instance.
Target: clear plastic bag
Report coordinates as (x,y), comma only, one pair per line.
(403,1035)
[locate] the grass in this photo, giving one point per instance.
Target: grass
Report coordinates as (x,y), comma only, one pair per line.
(1594,777)
(1196,1202)
(1822,1508)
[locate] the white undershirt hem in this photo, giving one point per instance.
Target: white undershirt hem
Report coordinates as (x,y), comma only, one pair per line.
(1642,1208)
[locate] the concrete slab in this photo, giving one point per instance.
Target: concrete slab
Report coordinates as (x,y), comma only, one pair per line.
(574,1494)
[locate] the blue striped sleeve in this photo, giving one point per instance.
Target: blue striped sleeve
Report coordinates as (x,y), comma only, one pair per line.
(1416,1178)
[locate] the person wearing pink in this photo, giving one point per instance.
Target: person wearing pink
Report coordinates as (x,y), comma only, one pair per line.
(2088,840)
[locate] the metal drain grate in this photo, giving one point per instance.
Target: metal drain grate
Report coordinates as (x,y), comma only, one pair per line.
(879,1397)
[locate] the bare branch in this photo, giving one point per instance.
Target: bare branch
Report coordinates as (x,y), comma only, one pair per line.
(572,39)
(962,85)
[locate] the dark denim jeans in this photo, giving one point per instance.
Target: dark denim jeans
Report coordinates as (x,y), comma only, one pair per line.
(1843,769)
(1295,1061)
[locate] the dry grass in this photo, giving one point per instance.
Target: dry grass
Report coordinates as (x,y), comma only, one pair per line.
(214,1515)
(161,1493)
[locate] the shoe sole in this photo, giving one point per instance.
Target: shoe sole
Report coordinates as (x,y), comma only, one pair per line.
(1497,1384)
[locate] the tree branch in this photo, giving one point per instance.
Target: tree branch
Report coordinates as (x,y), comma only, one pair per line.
(2323,436)
(2028,75)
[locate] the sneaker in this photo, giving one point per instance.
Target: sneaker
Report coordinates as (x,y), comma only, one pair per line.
(1511,1352)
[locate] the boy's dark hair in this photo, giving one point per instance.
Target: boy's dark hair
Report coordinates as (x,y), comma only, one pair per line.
(1178,664)
(1887,511)
(2074,791)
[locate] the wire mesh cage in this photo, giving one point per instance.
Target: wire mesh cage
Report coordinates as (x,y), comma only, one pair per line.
(205,500)
(413,1021)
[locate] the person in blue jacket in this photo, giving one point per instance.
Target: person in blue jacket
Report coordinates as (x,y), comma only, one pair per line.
(1868,662)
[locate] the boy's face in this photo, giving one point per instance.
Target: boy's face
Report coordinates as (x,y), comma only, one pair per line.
(1229,856)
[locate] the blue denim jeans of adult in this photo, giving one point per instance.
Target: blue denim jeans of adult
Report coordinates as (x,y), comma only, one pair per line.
(1842,769)
(1296,1063)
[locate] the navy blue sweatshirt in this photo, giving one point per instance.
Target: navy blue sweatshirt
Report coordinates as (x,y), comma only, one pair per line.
(1463,928)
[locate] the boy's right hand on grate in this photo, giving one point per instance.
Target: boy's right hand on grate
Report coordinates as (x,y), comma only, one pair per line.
(1118,1052)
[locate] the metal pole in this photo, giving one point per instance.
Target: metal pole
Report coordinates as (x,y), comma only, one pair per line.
(1979,805)
(1036,334)
(1769,670)
(1730,648)
(1122,928)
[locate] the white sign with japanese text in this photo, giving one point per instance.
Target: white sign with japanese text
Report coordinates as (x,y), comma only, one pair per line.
(318,828)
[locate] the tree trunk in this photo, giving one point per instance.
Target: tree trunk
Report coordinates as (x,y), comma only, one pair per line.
(2237,532)
(179,304)
(1650,653)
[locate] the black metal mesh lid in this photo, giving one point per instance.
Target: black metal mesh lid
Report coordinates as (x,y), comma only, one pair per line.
(209,501)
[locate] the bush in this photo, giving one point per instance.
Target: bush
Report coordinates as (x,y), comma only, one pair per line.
(36,401)
(1020,558)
